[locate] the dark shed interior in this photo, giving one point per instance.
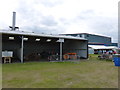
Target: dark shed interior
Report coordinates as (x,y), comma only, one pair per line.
(38,48)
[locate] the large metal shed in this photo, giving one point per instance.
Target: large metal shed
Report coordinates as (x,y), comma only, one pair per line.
(23,44)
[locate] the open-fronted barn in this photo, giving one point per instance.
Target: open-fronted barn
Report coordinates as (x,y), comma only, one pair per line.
(28,46)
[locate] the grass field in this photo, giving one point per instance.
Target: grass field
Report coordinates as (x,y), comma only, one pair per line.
(91,73)
(0,76)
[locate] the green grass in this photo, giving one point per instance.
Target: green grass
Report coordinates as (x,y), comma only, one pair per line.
(91,73)
(0,76)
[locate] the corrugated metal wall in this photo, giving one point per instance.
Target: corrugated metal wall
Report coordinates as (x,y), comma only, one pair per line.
(77,46)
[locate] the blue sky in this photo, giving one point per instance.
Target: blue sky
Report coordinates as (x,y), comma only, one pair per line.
(62,16)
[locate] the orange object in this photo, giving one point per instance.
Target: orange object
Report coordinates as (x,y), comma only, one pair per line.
(71,53)
(66,56)
(70,56)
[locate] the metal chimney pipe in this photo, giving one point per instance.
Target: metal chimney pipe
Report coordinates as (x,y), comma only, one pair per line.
(14,21)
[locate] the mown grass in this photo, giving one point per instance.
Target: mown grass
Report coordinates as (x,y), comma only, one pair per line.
(0,76)
(92,73)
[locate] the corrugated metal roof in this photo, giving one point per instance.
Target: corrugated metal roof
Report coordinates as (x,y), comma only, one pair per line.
(39,34)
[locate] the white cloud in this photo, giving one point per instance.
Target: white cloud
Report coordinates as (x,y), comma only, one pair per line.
(62,16)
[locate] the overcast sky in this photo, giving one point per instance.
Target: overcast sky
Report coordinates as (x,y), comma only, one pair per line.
(62,16)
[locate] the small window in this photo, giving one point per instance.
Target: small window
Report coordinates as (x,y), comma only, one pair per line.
(87,35)
(78,35)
